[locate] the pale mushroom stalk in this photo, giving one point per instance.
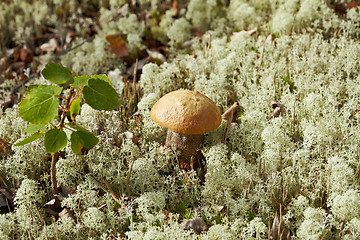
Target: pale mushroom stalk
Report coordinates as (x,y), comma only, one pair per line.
(187,115)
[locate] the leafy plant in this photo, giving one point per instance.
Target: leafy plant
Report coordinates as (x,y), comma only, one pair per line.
(47,115)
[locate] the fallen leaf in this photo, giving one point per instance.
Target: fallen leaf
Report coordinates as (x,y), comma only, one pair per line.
(117,46)
(132,137)
(197,224)
(69,37)
(253,31)
(7,196)
(66,213)
(188,43)
(295,139)
(3,146)
(25,55)
(8,102)
(352,4)
(278,109)
(51,46)
(53,207)
(230,114)
(270,38)
(156,54)
(175,7)
(340,8)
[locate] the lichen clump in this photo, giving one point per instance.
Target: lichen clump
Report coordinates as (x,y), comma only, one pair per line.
(303,165)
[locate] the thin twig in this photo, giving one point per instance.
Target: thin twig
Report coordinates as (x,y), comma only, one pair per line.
(128,178)
(112,193)
(41,219)
(54,159)
(187,178)
(76,96)
(97,182)
(56,229)
(261,58)
(67,107)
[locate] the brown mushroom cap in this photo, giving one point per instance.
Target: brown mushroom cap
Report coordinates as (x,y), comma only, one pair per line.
(186,112)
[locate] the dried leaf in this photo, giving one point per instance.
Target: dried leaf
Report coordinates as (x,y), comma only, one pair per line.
(278,109)
(66,213)
(123,11)
(270,38)
(3,146)
(25,55)
(53,207)
(69,36)
(117,46)
(352,4)
(197,224)
(253,31)
(51,46)
(188,43)
(230,117)
(175,7)
(295,139)
(7,196)
(230,114)
(340,8)
(132,137)
(156,54)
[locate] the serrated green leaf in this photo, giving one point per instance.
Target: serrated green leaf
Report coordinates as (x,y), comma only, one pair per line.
(57,74)
(75,108)
(31,128)
(40,105)
(82,139)
(55,140)
(100,95)
(28,139)
(83,80)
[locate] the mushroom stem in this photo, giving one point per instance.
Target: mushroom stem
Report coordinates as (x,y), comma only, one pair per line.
(187,149)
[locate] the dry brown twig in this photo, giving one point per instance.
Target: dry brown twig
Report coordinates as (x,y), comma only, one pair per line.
(230,116)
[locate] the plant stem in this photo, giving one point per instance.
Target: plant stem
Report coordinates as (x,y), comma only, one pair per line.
(76,96)
(54,159)
(66,109)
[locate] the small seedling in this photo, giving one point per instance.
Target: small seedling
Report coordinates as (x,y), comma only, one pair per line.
(47,115)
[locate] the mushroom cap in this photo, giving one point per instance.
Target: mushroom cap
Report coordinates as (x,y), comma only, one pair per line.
(186,112)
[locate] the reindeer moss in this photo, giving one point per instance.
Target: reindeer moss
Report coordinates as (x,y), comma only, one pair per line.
(304,162)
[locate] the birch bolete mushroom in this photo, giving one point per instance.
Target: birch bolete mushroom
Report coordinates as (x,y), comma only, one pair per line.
(187,115)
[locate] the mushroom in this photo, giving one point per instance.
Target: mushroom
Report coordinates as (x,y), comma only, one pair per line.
(187,115)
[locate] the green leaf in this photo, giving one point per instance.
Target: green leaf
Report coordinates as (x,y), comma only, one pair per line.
(31,128)
(55,140)
(80,81)
(83,80)
(103,77)
(100,95)
(75,108)
(57,74)
(40,105)
(82,139)
(28,139)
